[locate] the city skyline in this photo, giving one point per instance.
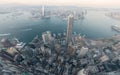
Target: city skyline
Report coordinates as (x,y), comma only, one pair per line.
(57,37)
(82,3)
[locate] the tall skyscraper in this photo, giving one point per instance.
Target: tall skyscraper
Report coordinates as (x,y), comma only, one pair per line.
(47,37)
(43,11)
(69,28)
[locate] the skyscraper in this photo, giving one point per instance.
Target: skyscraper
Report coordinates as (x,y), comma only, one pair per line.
(43,11)
(69,28)
(46,36)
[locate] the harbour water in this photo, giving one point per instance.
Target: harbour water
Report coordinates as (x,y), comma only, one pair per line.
(94,25)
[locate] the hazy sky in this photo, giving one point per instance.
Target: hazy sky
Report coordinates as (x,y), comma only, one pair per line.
(85,3)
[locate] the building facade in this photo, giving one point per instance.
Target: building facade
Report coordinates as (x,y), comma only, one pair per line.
(69,28)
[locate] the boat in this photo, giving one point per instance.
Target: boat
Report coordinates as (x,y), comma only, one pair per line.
(45,17)
(29,29)
(6,34)
(116,27)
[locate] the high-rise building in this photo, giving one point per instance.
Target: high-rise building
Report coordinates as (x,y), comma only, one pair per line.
(43,11)
(46,36)
(83,51)
(6,43)
(69,28)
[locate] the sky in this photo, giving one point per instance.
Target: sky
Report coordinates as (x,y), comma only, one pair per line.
(84,3)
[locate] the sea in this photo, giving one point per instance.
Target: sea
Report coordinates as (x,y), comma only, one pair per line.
(95,25)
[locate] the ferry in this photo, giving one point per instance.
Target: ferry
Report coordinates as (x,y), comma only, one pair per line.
(29,29)
(45,17)
(6,34)
(116,27)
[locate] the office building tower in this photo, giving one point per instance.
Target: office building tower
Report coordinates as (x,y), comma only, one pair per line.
(83,51)
(43,11)
(69,28)
(46,36)
(6,43)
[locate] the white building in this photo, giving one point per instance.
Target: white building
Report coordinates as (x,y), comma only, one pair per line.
(46,36)
(43,11)
(82,51)
(82,72)
(20,45)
